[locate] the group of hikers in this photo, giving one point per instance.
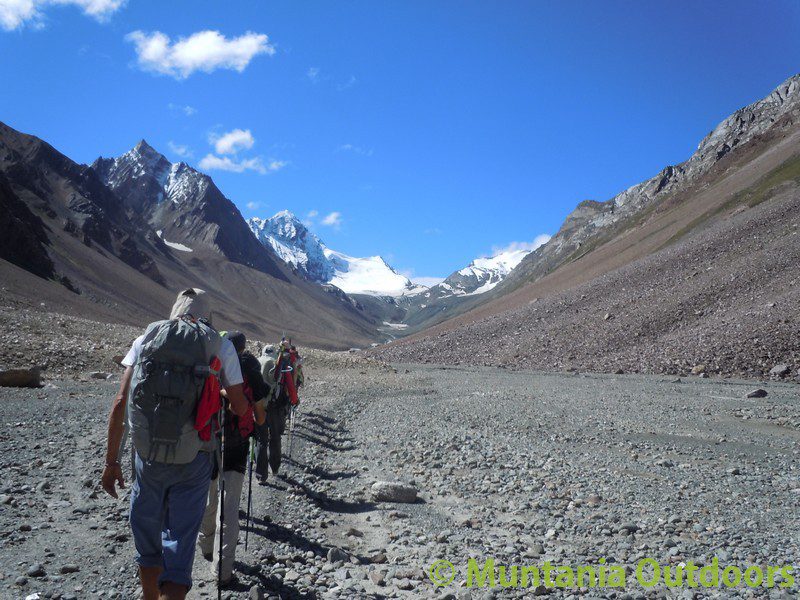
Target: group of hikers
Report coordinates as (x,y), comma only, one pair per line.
(202,413)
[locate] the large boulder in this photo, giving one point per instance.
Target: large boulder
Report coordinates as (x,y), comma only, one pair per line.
(30,378)
(388,491)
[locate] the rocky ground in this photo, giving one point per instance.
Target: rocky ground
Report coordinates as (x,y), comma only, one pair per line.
(522,467)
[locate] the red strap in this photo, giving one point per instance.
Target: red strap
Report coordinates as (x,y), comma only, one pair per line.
(210,402)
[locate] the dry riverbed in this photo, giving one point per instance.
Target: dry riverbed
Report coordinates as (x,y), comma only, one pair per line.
(521,467)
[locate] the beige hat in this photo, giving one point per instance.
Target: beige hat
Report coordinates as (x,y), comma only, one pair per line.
(192,301)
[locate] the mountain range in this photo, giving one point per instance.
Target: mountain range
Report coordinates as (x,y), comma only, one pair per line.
(113,240)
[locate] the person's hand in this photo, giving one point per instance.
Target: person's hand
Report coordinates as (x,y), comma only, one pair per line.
(112,474)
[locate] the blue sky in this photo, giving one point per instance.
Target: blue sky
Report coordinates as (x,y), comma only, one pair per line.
(433,132)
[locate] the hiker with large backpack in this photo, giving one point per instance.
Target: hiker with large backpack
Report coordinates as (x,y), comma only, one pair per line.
(238,431)
(167,403)
(284,375)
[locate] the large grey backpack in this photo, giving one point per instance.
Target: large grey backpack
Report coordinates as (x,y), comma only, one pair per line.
(167,383)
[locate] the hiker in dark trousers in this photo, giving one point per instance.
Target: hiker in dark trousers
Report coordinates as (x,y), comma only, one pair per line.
(169,392)
(238,431)
(285,376)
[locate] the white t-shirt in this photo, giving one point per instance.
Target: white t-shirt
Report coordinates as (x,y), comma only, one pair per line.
(231,371)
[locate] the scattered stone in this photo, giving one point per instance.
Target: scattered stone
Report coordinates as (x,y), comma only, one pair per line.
(26,378)
(337,555)
(386,491)
(697,369)
(780,370)
(256,593)
(99,375)
(36,570)
(757,393)
(69,568)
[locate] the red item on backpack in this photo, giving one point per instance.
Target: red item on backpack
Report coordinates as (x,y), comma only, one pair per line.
(210,401)
(246,422)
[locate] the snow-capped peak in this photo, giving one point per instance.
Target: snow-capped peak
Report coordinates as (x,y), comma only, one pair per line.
(299,247)
(153,175)
(481,275)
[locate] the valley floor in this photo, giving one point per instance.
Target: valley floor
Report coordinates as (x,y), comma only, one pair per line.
(521,467)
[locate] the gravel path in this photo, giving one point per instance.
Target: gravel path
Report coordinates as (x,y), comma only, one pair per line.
(522,467)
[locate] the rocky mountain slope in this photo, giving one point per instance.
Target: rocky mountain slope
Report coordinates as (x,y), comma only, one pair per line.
(183,204)
(592,223)
(114,242)
(691,269)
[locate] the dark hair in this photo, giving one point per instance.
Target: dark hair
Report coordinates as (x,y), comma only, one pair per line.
(238,340)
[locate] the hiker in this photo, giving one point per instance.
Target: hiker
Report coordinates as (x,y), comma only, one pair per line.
(236,453)
(284,376)
(168,396)
(271,430)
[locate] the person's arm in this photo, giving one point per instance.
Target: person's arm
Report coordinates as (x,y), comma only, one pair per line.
(112,473)
(236,398)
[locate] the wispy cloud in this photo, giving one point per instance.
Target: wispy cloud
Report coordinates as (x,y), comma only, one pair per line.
(184,108)
(432,231)
(254,205)
(232,141)
(351,81)
(181,150)
(539,240)
(354,149)
(16,13)
(333,219)
(224,163)
(313,74)
(204,51)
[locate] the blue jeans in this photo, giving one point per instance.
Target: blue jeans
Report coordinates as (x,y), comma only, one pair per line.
(167,505)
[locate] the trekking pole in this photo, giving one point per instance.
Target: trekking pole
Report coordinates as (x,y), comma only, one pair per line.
(249,490)
(291,429)
(221,475)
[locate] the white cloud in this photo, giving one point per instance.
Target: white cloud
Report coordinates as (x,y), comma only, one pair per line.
(224,163)
(333,219)
(313,74)
(276,165)
(185,109)
(180,149)
(312,214)
(204,51)
(15,13)
(539,240)
(211,162)
(254,205)
(355,149)
(427,281)
(233,141)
